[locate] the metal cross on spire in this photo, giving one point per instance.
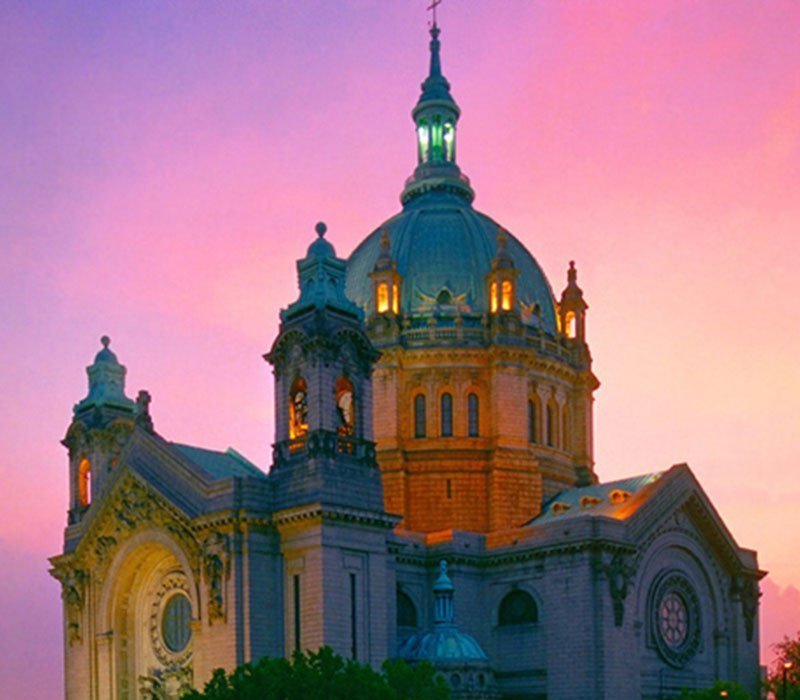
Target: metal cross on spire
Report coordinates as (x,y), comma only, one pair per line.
(434,4)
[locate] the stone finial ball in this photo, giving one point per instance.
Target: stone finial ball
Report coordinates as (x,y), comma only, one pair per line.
(105,341)
(320,228)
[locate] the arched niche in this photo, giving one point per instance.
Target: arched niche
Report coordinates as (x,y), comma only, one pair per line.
(147,614)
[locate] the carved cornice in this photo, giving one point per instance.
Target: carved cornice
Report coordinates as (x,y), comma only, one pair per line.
(335,513)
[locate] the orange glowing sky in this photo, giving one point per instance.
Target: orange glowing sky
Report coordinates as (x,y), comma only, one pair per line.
(163,165)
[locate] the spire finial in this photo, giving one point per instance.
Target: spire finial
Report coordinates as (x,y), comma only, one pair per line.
(321,228)
(572,273)
(105,341)
(432,7)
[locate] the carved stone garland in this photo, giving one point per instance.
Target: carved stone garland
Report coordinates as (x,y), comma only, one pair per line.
(619,571)
(73,593)
(216,569)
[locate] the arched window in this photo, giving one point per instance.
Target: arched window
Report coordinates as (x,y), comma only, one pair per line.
(552,426)
(298,409)
(493,300)
(84,482)
(517,608)
(449,138)
(406,610)
(395,298)
(570,324)
(472,415)
(508,292)
(345,407)
(419,416)
(382,301)
(423,138)
(533,420)
(447,415)
(565,432)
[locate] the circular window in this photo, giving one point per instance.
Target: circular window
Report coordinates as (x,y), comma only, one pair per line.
(676,620)
(673,620)
(175,629)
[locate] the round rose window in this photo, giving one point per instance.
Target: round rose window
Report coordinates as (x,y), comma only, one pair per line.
(675,619)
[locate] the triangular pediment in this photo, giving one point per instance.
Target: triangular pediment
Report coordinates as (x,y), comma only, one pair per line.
(678,502)
(129,505)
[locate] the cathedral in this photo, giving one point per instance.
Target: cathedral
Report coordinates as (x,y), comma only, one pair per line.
(432,493)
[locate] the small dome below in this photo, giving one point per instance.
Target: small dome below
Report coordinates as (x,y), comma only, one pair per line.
(442,644)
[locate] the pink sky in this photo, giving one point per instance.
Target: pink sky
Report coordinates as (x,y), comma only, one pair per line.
(163,165)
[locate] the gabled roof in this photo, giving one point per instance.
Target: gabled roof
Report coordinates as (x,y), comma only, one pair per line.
(614,499)
(218,465)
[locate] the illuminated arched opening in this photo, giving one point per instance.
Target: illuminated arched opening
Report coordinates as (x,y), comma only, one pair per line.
(446,415)
(473,415)
(507,301)
(419,416)
(570,324)
(382,300)
(423,140)
(84,482)
(395,298)
(298,409)
(345,407)
(449,139)
(436,138)
(494,301)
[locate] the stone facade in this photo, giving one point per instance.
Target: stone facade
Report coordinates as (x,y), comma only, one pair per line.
(426,412)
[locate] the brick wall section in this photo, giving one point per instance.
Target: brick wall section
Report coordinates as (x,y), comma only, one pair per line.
(498,479)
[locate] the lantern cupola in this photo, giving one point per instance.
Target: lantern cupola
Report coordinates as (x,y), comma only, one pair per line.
(385,279)
(435,117)
(502,278)
(572,308)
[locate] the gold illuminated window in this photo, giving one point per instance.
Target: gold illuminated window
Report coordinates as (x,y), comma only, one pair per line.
(395,299)
(570,321)
(493,297)
(298,409)
(507,301)
(84,482)
(383,298)
(345,407)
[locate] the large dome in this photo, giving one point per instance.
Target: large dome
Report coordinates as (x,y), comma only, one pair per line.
(444,250)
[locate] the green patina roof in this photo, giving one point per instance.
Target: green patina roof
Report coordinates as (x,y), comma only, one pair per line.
(593,501)
(441,243)
(219,465)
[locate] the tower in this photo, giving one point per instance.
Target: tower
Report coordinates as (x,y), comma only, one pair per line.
(101,425)
(325,478)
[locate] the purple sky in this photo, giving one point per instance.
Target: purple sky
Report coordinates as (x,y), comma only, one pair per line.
(163,165)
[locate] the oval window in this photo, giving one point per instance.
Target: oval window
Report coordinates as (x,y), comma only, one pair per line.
(175,628)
